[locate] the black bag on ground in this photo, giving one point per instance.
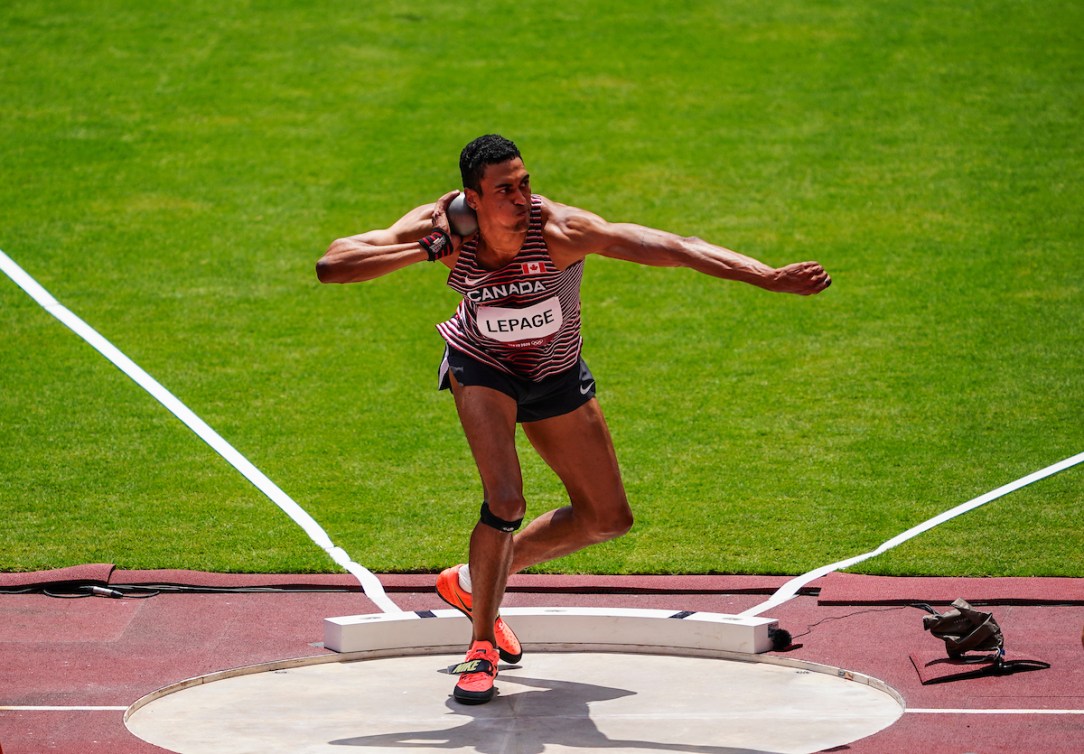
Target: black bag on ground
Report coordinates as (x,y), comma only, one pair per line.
(964,629)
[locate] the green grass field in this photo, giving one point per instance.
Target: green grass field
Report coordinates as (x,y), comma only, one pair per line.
(172,171)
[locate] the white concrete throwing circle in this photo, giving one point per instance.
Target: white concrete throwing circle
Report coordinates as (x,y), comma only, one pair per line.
(554,702)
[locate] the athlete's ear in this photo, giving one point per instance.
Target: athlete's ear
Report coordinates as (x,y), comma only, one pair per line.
(472,198)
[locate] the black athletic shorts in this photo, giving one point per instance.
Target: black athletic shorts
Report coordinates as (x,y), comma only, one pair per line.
(553,396)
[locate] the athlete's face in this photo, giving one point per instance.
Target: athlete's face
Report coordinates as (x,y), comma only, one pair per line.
(505,199)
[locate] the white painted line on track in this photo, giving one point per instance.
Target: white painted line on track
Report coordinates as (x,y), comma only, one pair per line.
(995,711)
(58,708)
(369,582)
(790,589)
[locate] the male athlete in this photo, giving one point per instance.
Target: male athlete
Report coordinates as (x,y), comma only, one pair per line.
(513,356)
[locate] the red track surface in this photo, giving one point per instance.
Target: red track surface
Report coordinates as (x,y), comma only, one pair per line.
(105,652)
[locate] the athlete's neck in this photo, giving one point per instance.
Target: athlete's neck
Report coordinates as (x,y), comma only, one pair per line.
(499,251)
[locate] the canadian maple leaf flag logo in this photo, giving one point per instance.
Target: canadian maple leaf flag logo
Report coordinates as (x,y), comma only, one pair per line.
(532,268)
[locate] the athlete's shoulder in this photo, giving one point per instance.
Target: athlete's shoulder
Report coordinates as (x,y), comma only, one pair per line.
(573,222)
(571,230)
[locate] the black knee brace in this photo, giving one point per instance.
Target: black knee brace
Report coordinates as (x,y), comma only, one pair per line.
(498,523)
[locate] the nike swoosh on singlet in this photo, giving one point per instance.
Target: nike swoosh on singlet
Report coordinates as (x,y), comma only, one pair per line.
(474,281)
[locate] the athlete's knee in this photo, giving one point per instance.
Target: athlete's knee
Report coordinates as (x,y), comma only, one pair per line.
(504,512)
(619,524)
(610,524)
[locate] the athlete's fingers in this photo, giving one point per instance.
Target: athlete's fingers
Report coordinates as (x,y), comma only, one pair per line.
(440,211)
(819,278)
(804,278)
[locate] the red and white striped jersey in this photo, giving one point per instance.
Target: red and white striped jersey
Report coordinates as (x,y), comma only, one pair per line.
(523,318)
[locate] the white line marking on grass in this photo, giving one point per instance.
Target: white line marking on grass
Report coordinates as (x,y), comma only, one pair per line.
(790,589)
(996,711)
(369,583)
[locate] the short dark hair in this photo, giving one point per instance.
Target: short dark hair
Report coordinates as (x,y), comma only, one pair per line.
(490,149)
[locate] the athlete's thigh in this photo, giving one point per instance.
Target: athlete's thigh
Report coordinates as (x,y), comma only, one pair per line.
(579,449)
(488,417)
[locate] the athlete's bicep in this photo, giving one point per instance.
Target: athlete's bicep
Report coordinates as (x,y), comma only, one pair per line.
(579,233)
(643,245)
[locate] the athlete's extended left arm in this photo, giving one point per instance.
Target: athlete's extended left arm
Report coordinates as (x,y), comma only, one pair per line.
(637,243)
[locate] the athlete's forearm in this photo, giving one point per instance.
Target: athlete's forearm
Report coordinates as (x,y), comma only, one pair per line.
(721,262)
(352,260)
(800,278)
(663,249)
(659,248)
(375,253)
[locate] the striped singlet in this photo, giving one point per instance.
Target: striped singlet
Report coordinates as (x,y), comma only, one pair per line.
(524,318)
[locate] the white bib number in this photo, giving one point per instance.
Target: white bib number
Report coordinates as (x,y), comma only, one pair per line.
(517,325)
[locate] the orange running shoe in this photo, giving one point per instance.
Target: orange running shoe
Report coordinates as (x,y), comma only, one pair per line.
(449,590)
(476,674)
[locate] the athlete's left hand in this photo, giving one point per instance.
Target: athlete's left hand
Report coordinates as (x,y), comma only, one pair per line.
(801,278)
